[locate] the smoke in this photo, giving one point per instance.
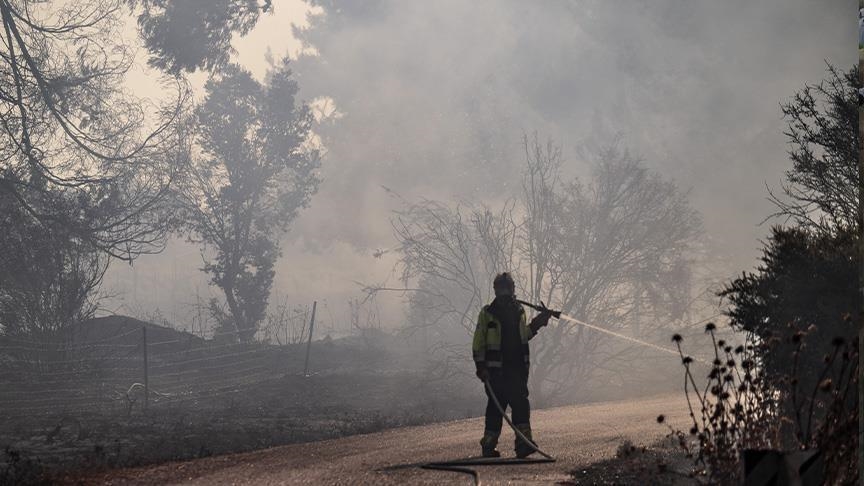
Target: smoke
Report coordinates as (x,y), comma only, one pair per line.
(431,100)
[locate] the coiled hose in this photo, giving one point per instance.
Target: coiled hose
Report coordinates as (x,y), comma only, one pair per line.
(459,464)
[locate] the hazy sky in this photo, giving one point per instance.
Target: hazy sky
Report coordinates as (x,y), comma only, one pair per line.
(434,96)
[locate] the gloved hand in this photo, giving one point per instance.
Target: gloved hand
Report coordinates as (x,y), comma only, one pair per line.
(483,373)
(539,321)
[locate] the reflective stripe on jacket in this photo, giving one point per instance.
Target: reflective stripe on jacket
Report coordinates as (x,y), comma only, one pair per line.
(486,346)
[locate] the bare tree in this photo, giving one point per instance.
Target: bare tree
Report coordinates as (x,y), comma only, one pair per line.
(620,244)
(822,189)
(364,318)
(286,324)
(438,244)
(603,251)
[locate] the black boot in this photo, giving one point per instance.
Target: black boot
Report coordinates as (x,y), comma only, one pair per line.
(489,442)
(524,449)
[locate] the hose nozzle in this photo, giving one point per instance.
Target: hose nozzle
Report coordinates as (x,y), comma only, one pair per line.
(541,308)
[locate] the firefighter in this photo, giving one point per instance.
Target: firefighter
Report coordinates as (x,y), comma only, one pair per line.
(500,349)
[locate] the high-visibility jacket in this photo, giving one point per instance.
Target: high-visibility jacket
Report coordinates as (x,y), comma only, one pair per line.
(486,346)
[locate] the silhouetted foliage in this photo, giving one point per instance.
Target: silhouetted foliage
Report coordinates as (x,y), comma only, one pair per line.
(186,35)
(77,150)
(822,128)
(84,167)
(796,309)
(251,177)
(809,273)
(48,276)
(803,280)
(744,405)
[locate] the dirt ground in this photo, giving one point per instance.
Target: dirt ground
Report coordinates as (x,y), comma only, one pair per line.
(582,438)
(288,410)
(355,389)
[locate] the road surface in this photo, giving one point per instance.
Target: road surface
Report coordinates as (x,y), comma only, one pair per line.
(575,435)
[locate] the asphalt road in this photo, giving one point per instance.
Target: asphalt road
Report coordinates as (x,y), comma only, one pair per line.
(575,435)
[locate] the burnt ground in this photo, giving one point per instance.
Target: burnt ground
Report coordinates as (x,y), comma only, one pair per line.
(582,438)
(286,410)
(74,421)
(659,463)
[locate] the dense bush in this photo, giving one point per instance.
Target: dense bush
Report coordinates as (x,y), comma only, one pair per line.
(804,279)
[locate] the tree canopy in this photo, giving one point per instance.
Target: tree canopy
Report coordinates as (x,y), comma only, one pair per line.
(251,173)
(79,151)
(186,35)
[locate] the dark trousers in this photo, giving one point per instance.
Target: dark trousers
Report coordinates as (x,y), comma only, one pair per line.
(510,385)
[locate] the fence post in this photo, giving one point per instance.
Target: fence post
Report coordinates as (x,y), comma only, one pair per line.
(309,342)
(146,378)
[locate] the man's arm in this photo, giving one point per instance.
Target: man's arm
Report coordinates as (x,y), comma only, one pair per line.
(539,321)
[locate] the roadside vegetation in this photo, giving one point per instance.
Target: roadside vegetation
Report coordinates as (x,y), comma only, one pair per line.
(791,382)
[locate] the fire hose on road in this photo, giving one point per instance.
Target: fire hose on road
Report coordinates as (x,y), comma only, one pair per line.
(459,465)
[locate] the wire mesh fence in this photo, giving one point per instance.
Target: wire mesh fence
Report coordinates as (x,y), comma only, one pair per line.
(123,371)
(106,396)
